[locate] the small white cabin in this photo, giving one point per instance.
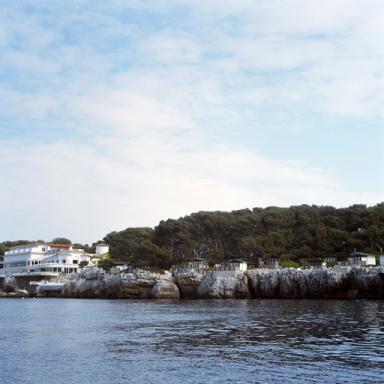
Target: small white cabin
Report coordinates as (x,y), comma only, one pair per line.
(382,260)
(362,259)
(231,265)
(274,262)
(197,264)
(102,248)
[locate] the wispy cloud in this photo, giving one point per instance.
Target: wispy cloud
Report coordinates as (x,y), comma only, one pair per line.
(115,114)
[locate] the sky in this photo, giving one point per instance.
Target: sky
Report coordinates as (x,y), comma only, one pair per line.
(120,113)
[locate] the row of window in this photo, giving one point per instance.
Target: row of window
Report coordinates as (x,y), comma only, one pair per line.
(17,264)
(25,250)
(64,261)
(59,269)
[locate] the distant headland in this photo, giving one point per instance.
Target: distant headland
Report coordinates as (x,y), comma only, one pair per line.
(275,240)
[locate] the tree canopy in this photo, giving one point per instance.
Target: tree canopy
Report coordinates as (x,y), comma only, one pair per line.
(290,234)
(61,240)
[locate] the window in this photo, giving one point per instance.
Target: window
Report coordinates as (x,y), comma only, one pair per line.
(75,261)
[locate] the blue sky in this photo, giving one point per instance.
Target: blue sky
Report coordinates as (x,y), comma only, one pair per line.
(123,113)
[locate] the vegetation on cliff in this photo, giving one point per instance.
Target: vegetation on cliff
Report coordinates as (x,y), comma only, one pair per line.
(291,234)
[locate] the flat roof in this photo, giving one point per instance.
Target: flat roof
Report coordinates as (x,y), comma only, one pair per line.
(355,253)
(27,245)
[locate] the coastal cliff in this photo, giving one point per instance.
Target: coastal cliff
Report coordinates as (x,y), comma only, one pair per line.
(329,283)
(139,285)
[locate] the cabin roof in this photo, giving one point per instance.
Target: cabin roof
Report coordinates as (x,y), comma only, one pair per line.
(235,261)
(355,253)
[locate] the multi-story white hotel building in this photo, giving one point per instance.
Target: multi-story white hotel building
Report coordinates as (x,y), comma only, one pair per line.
(44,259)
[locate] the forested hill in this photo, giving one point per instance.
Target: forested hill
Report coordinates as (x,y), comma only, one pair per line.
(287,233)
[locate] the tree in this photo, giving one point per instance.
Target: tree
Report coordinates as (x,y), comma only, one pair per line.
(291,234)
(106,264)
(83,264)
(61,240)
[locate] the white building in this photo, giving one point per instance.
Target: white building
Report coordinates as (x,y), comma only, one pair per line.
(274,262)
(197,264)
(382,260)
(361,259)
(232,265)
(102,248)
(43,259)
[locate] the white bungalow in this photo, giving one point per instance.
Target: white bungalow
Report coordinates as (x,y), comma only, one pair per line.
(43,259)
(198,264)
(274,262)
(361,259)
(232,265)
(102,248)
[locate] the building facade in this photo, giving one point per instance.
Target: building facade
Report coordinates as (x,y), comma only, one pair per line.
(273,262)
(232,265)
(362,259)
(191,265)
(102,248)
(44,259)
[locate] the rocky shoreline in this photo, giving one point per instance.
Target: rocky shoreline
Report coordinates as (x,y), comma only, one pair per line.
(328,283)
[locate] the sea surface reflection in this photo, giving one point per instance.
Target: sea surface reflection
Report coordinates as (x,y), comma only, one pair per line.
(214,341)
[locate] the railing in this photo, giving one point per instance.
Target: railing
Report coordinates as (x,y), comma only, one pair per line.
(37,269)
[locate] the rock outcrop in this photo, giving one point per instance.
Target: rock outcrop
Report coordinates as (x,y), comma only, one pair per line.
(92,283)
(331,283)
(138,285)
(338,282)
(143,284)
(9,284)
(165,290)
(17,293)
(224,285)
(188,284)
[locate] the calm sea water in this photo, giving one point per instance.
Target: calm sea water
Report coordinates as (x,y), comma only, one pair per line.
(231,341)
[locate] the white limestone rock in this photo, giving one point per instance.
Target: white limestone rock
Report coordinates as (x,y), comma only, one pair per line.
(224,284)
(9,284)
(188,284)
(164,289)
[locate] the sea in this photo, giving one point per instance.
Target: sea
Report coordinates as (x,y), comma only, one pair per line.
(72,341)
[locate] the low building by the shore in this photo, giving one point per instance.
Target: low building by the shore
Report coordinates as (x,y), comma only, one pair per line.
(330,261)
(121,266)
(361,259)
(197,264)
(312,263)
(273,262)
(232,265)
(44,259)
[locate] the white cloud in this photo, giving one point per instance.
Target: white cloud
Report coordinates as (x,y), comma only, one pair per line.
(144,108)
(85,190)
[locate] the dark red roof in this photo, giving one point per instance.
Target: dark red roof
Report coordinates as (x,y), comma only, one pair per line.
(60,245)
